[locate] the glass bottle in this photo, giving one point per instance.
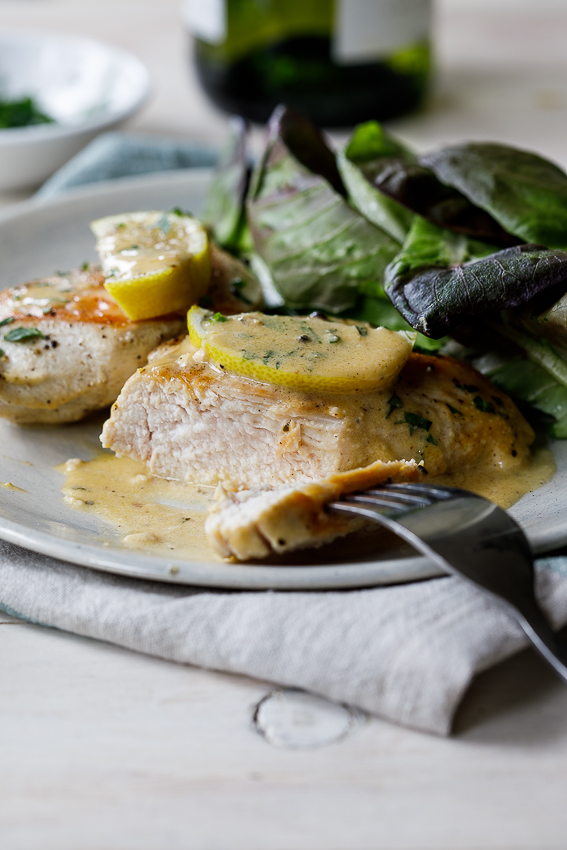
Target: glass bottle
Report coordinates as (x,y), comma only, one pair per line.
(338,61)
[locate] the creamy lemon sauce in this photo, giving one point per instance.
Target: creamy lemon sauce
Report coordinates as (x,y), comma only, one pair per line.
(39,298)
(167,517)
(147,513)
(7,485)
(306,353)
(504,487)
(144,243)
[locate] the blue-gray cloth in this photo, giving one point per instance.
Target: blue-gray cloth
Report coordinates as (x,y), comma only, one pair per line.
(113,155)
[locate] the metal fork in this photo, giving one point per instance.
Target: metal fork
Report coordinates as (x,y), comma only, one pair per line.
(467,536)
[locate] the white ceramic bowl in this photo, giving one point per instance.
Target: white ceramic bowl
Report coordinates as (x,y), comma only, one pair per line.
(85,85)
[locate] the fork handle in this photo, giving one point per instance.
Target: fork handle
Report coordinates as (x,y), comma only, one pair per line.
(551,645)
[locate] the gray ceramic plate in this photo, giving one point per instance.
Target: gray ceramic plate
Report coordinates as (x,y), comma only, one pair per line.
(38,238)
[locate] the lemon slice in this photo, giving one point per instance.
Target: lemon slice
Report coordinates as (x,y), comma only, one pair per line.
(299,352)
(154,262)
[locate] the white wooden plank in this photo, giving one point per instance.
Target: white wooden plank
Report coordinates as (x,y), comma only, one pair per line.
(104,748)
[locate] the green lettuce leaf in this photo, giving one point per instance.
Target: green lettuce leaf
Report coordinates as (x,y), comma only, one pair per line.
(224,204)
(319,250)
(526,194)
(440,281)
(527,381)
(358,162)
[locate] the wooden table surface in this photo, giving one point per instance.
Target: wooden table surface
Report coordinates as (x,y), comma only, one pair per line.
(103,749)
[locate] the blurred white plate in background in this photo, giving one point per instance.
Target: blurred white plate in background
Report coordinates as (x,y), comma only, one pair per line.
(85,85)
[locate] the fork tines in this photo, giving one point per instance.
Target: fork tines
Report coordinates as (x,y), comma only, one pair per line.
(398,496)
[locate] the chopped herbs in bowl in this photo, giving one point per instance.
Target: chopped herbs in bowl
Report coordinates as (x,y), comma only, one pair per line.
(21,112)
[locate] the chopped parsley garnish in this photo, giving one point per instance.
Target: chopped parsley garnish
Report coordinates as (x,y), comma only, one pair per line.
(453,409)
(333,338)
(362,331)
(394,404)
(22,113)
(23,334)
(1,352)
(178,211)
(482,405)
(414,420)
(218,317)
(85,267)
(431,439)
(469,388)
(7,321)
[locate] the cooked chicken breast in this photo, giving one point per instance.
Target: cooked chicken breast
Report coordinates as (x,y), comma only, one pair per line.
(190,421)
(248,524)
(67,348)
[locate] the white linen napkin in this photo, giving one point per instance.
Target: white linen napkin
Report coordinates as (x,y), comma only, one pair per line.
(406,653)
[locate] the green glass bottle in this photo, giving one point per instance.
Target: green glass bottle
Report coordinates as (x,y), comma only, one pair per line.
(338,61)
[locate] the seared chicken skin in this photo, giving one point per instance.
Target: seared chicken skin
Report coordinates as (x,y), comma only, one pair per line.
(67,348)
(190,421)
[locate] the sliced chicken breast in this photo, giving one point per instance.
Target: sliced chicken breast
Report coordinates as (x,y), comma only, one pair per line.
(248,524)
(190,421)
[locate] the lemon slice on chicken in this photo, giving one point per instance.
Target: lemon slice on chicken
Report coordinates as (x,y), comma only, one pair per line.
(299,352)
(154,262)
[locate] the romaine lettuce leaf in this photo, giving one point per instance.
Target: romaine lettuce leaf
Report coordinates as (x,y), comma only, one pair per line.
(320,251)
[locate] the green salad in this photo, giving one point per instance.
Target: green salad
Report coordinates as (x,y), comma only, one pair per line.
(466,245)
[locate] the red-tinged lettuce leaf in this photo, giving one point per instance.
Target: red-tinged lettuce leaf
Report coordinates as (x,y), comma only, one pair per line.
(418,188)
(224,205)
(441,283)
(319,250)
(386,182)
(526,194)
